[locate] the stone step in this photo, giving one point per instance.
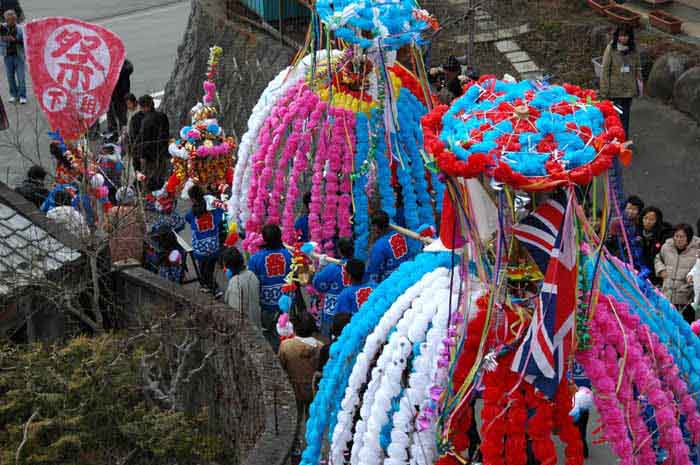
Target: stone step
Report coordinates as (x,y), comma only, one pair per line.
(501,34)
(526,67)
(518,56)
(533,75)
(507,46)
(487,25)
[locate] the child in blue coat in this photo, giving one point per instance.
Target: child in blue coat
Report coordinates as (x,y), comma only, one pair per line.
(388,252)
(205,225)
(271,265)
(352,297)
(330,282)
(301,225)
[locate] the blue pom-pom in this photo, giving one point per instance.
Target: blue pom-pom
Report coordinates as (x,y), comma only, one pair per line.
(285,303)
(307,248)
(184,131)
(214,129)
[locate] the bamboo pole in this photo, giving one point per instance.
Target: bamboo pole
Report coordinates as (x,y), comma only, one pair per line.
(316,256)
(412,234)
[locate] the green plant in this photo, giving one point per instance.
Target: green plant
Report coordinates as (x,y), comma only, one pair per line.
(84,402)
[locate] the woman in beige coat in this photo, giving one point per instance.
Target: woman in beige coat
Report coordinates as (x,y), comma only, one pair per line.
(621,75)
(242,292)
(674,262)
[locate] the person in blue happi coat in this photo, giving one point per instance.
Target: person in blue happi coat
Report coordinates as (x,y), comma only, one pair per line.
(271,265)
(388,252)
(301,225)
(330,282)
(352,297)
(205,224)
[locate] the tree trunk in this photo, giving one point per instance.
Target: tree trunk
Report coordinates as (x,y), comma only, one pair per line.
(251,58)
(94,272)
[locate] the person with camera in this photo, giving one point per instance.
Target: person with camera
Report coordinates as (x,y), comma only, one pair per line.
(447,80)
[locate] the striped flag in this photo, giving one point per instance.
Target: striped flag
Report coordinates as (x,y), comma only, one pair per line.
(545,349)
(538,231)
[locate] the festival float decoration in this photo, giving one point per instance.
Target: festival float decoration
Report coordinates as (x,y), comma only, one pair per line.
(202,154)
(529,135)
(399,391)
(343,123)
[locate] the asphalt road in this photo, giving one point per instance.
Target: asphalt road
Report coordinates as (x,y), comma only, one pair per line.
(151,31)
(665,171)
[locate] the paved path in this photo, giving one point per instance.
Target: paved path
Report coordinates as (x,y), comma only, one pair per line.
(665,170)
(687,10)
(151,30)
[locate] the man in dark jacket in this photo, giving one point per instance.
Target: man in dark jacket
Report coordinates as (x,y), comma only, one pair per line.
(32,188)
(152,140)
(116,116)
(12,5)
(447,80)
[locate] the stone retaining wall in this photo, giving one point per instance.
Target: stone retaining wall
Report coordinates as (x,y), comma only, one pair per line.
(246,391)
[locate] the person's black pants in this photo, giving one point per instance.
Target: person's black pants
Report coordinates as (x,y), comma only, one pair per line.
(625,104)
(688,313)
(582,425)
(207,266)
(116,115)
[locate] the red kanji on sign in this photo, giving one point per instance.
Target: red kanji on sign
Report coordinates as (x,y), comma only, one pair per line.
(275,265)
(74,68)
(398,245)
(77,61)
(362,295)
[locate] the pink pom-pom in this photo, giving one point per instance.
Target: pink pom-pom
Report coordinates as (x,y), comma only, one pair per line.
(209,87)
(193,134)
(695,326)
(102,192)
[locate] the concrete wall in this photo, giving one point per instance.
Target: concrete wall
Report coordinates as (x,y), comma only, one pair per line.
(251,59)
(245,389)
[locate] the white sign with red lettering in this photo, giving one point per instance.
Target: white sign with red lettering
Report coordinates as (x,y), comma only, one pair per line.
(74,67)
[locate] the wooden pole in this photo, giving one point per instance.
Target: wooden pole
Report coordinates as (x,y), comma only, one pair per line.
(399,229)
(412,234)
(316,256)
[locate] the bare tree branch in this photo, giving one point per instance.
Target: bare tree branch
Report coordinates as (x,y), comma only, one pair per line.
(153,385)
(201,366)
(25,436)
(68,305)
(128,457)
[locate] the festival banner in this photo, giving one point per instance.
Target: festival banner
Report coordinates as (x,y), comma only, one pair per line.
(74,68)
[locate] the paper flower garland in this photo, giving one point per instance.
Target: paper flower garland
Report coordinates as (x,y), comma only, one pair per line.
(627,364)
(329,137)
(532,136)
(238,208)
(345,351)
(389,24)
(662,318)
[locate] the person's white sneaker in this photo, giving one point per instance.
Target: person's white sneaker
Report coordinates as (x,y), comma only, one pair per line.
(23,101)
(13,100)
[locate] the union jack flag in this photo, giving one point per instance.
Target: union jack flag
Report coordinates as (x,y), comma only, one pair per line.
(538,231)
(547,344)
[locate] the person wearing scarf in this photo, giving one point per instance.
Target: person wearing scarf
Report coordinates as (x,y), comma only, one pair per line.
(621,76)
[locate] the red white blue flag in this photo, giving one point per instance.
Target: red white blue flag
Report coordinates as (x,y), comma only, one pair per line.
(538,231)
(543,353)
